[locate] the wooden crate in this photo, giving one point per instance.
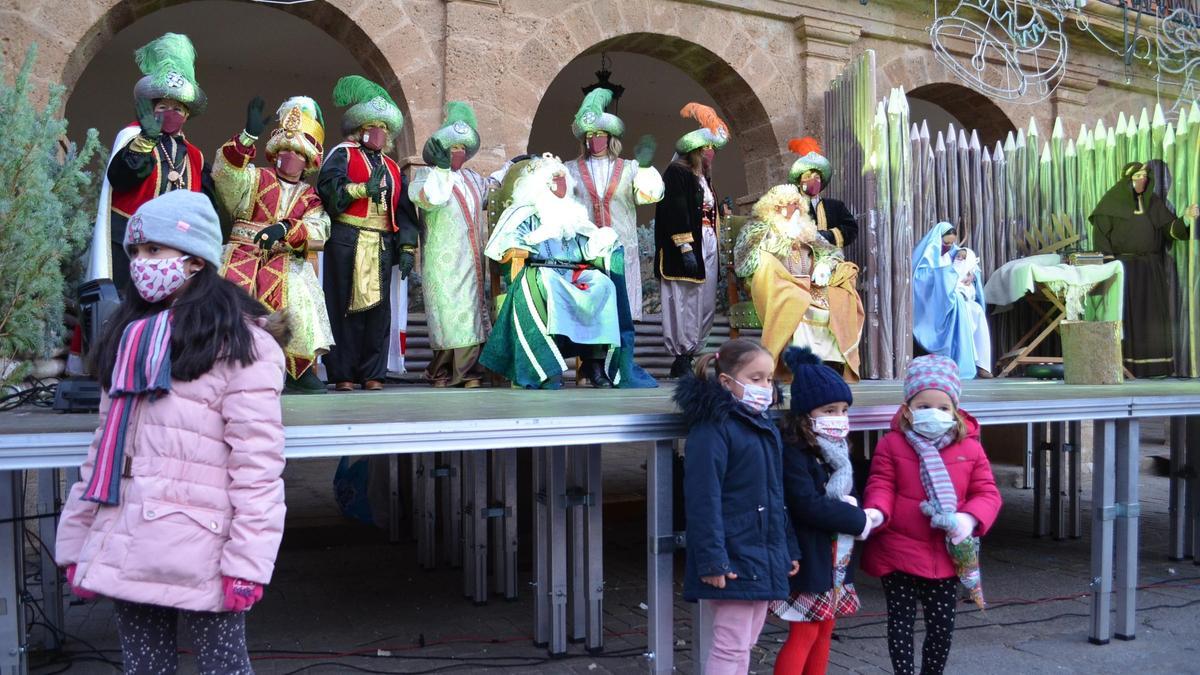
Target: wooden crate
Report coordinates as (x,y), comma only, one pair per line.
(1091,352)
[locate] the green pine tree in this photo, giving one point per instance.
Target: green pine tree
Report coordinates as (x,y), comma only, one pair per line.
(45,220)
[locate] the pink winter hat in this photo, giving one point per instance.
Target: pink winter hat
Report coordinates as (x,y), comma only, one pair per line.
(932,372)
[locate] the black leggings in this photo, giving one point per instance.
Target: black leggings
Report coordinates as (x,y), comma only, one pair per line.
(148,646)
(937,597)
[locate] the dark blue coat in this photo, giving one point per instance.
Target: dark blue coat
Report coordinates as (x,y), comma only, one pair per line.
(815,518)
(733,495)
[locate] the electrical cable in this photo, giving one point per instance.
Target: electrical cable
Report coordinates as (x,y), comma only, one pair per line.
(40,394)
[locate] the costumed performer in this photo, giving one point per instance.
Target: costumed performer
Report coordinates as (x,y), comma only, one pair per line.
(561,304)
(949,315)
(1135,225)
(802,288)
(611,188)
(150,157)
(685,239)
(374,228)
(277,219)
(811,172)
(453,198)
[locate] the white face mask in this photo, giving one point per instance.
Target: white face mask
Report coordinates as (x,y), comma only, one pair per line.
(755,397)
(932,423)
(791,226)
(156,279)
(833,427)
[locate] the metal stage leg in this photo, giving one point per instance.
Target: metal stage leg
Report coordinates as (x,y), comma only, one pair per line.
(660,559)
(1104,442)
(541,552)
(1128,508)
(496,524)
(453,513)
(52,593)
(475,554)
(1030,444)
(12,620)
(393,463)
(1191,539)
(1177,499)
(556,505)
(412,464)
(508,471)
(426,507)
(1039,479)
(1056,480)
(1074,474)
(701,634)
(594,540)
(576,510)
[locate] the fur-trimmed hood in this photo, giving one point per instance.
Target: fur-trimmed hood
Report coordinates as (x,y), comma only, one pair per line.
(278,325)
(704,400)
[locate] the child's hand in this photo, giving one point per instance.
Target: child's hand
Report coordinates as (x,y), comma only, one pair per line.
(718,580)
(849,499)
(862,536)
(964,526)
(795,568)
(874,516)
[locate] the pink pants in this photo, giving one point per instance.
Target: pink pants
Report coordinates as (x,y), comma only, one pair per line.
(735,628)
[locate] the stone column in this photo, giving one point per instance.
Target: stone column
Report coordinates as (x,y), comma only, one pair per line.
(1069,101)
(825,50)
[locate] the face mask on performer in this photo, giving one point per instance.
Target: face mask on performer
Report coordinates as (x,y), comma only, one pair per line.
(706,157)
(597,143)
(458,157)
(558,185)
(172,113)
(290,165)
(374,138)
(1139,181)
(810,183)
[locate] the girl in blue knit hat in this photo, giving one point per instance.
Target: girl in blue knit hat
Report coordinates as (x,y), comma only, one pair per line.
(931,492)
(818,487)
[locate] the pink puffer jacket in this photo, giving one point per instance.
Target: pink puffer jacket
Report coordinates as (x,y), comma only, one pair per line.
(205,499)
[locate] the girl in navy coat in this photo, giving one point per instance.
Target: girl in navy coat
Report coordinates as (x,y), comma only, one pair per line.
(818,486)
(738,557)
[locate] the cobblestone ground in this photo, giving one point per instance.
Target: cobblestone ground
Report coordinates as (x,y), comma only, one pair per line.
(341,589)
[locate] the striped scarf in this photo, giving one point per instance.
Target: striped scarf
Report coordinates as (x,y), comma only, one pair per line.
(942,502)
(142,368)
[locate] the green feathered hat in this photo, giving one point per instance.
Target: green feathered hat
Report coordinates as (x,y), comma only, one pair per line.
(458,128)
(169,67)
(712,129)
(368,102)
(592,117)
(810,159)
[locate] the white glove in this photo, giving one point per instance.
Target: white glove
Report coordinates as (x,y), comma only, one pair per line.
(964,525)
(866,530)
(821,273)
(849,499)
(874,516)
(543,233)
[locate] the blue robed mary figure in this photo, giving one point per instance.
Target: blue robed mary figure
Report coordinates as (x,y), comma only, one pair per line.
(949,314)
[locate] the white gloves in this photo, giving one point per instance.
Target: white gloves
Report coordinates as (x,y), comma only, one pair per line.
(874,516)
(849,499)
(821,273)
(543,232)
(964,526)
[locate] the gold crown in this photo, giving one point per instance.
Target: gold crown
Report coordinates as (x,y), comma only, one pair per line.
(296,120)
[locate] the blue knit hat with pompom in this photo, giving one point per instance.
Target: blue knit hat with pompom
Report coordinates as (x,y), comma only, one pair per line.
(814,384)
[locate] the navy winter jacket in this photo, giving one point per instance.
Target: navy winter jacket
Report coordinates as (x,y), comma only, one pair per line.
(816,519)
(733,494)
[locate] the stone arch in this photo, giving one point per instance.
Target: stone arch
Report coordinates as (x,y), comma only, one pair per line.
(106,18)
(746,62)
(970,107)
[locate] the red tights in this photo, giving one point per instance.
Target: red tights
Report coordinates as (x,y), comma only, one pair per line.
(806,651)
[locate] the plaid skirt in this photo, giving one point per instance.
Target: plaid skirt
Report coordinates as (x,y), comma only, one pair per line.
(839,601)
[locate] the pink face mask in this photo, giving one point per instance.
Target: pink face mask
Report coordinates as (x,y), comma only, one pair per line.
(598,145)
(157,279)
(290,165)
(812,186)
(172,122)
(559,186)
(458,157)
(707,155)
(374,138)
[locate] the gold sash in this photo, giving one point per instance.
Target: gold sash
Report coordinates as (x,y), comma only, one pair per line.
(367,289)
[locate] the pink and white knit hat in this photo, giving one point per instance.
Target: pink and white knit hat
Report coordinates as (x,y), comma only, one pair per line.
(932,372)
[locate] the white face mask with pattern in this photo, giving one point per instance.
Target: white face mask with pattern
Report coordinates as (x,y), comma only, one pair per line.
(157,278)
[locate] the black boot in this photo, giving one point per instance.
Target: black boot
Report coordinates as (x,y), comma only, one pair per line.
(680,367)
(592,371)
(308,383)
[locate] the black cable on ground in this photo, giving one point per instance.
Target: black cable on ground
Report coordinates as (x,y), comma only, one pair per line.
(39,394)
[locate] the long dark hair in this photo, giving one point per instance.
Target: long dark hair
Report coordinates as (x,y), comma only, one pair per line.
(796,429)
(209,325)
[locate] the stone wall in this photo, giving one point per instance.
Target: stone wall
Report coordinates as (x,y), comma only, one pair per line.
(766,62)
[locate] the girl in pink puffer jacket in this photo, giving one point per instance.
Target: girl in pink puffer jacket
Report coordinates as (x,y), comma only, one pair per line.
(179,510)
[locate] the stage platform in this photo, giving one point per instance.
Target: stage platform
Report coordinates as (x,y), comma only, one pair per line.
(568,428)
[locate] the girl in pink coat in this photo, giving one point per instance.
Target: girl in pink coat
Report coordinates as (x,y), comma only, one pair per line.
(930,484)
(179,510)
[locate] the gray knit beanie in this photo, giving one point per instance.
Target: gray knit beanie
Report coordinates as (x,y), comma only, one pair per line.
(180,219)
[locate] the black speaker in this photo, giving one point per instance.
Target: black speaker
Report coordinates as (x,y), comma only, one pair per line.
(98,302)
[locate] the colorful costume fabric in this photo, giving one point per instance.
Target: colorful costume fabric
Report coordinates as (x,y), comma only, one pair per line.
(1137,229)
(453,203)
(802,288)
(562,303)
(948,318)
(611,188)
(280,277)
(141,168)
(372,226)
